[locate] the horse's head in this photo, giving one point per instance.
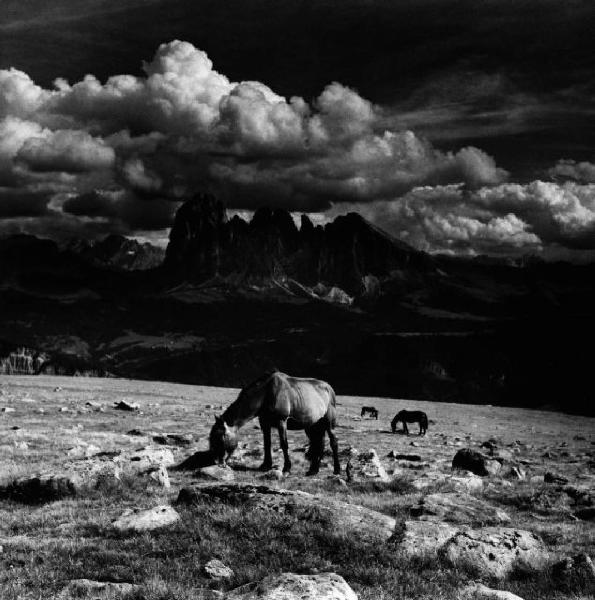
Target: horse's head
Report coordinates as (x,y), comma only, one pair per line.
(222,440)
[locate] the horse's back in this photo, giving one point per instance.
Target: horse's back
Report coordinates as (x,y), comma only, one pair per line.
(307,400)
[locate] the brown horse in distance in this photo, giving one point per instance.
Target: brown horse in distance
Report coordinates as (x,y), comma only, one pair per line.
(283,402)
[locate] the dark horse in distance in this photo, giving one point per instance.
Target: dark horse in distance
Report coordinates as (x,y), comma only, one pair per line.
(410,416)
(283,402)
(370,410)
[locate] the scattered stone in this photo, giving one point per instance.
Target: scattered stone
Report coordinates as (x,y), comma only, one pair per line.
(147,457)
(470,483)
(579,566)
(94,405)
(516,473)
(424,538)
(353,519)
(414,444)
(64,409)
(458,507)
(289,586)
(550,477)
(15,428)
(137,432)
(215,569)
(7,409)
(146,520)
(478,591)
(21,446)
(173,439)
(579,438)
(397,456)
(57,389)
(215,473)
(160,475)
(129,406)
(471,460)
(365,466)
(97,590)
(496,551)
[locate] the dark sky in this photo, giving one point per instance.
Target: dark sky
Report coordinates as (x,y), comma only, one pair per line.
(513,78)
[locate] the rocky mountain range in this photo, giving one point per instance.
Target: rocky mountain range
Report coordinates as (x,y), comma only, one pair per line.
(344,302)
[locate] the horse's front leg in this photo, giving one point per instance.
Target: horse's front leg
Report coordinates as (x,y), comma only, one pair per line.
(405,428)
(282,428)
(267,463)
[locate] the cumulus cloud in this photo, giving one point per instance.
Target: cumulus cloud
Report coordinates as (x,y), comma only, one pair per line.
(583,172)
(123,153)
(184,126)
(504,219)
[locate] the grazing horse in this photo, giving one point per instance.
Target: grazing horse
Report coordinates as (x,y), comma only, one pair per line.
(284,402)
(410,416)
(371,410)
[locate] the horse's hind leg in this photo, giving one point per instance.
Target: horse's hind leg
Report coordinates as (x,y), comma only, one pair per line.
(405,429)
(316,436)
(267,463)
(335,448)
(282,428)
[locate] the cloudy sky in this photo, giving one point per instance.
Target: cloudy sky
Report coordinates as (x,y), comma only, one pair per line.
(460,126)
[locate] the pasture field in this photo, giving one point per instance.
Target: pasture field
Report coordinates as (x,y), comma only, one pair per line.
(60,425)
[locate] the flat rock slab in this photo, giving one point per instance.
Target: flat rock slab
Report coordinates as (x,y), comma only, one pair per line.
(479,591)
(424,538)
(215,473)
(458,507)
(81,589)
(496,551)
(350,518)
(289,586)
(146,520)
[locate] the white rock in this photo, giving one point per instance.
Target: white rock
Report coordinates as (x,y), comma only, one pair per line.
(289,586)
(215,569)
(424,538)
(146,520)
(478,591)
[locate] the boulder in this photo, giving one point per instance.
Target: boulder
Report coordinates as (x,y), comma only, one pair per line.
(97,590)
(198,460)
(476,462)
(127,406)
(215,569)
(496,551)
(423,538)
(135,520)
(458,507)
(469,483)
(289,586)
(366,466)
(355,520)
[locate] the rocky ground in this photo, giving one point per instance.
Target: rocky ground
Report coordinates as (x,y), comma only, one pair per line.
(93,506)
